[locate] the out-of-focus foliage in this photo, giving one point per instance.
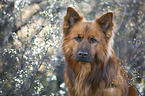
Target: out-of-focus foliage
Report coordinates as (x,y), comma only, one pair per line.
(31,61)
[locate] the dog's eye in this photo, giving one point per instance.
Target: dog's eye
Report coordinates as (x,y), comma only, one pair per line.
(93,40)
(78,39)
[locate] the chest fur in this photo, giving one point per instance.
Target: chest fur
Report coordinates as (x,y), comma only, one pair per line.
(80,86)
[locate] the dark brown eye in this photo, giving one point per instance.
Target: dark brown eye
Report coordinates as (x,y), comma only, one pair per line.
(93,40)
(78,38)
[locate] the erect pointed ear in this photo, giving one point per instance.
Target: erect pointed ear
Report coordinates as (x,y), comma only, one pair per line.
(106,21)
(72,17)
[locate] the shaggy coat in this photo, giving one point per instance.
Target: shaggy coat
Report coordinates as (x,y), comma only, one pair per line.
(91,67)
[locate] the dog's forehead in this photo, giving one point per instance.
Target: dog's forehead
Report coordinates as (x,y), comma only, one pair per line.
(86,27)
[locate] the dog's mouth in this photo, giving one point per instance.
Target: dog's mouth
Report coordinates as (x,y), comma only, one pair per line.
(83,57)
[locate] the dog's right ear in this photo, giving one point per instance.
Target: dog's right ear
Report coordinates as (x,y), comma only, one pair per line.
(71,18)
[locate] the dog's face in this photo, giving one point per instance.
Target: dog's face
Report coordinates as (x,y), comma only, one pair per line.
(88,39)
(85,37)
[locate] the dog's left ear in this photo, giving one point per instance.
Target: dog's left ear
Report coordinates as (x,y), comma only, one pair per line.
(106,21)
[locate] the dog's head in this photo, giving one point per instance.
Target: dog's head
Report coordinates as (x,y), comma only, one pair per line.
(86,40)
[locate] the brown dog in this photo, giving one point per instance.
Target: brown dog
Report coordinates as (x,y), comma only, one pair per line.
(92,68)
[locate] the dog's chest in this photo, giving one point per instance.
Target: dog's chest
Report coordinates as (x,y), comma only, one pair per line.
(80,86)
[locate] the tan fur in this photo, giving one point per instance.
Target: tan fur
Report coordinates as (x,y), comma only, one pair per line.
(101,76)
(79,82)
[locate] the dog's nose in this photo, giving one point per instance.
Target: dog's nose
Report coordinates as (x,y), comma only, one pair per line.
(83,53)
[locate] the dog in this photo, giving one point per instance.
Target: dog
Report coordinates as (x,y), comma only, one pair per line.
(91,67)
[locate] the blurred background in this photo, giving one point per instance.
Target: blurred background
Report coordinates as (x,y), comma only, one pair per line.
(31,60)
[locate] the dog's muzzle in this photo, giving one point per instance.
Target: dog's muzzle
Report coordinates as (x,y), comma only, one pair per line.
(83,56)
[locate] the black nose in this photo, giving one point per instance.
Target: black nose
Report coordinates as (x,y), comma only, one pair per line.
(83,53)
